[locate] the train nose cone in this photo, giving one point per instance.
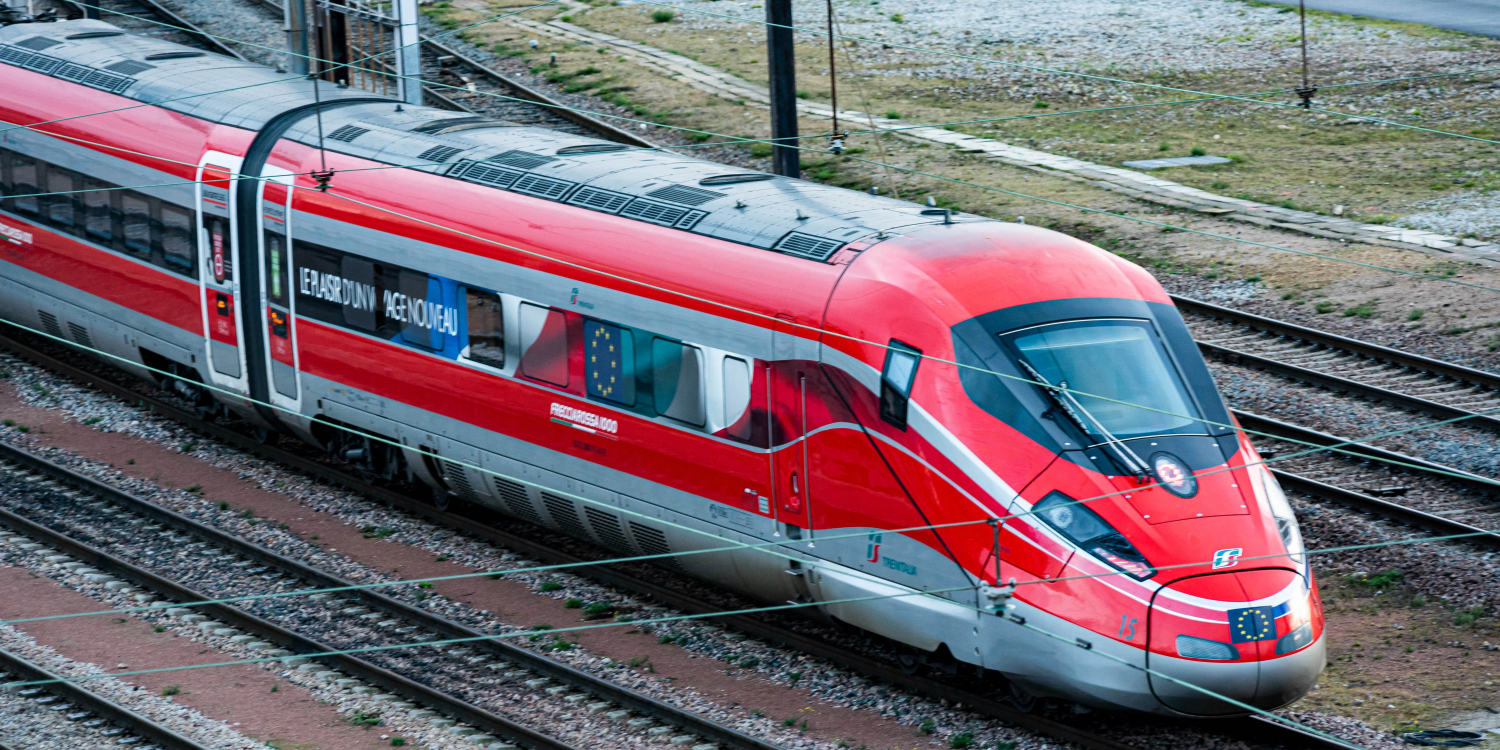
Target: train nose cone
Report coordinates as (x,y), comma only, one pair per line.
(1262,658)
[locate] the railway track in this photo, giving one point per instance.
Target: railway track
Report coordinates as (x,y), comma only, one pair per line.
(1262,731)
(451,686)
(1390,376)
(76,714)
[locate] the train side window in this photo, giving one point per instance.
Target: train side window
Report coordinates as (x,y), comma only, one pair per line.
(544,344)
(737,398)
(896,379)
(177,238)
(486,324)
(23,181)
(609,359)
(677,380)
(135,212)
(62,205)
(421,329)
(98,212)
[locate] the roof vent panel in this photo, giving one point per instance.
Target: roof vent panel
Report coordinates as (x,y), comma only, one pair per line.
(543,187)
(129,67)
(521,159)
(807,246)
(13,55)
(347,133)
(486,174)
(607,201)
(440,154)
(38,43)
(73,72)
(684,194)
(43,64)
(660,213)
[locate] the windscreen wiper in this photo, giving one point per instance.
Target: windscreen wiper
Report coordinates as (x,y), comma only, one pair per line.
(1078,414)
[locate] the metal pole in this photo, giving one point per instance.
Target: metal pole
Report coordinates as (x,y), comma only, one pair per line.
(295,23)
(785,159)
(409,52)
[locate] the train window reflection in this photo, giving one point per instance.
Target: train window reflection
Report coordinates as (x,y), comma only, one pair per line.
(135,212)
(486,328)
(1122,364)
(609,360)
(60,205)
(544,344)
(23,181)
(177,237)
(737,398)
(677,380)
(98,222)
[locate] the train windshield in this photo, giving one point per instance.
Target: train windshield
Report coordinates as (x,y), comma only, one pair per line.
(1123,367)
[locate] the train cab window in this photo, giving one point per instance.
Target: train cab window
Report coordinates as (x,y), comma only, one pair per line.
(98,218)
(177,237)
(677,380)
(23,181)
(486,324)
(896,379)
(609,360)
(544,344)
(62,205)
(737,398)
(135,213)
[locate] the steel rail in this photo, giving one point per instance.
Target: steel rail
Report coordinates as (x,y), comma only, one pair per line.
(199,36)
(1258,728)
(287,639)
(501,650)
(520,90)
(102,707)
(1354,348)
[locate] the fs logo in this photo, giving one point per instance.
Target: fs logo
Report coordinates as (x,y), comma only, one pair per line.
(1227,558)
(872,550)
(574,301)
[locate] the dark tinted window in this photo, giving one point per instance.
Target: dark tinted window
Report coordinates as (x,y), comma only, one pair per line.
(98,214)
(61,209)
(23,181)
(544,344)
(177,237)
(135,215)
(486,326)
(677,380)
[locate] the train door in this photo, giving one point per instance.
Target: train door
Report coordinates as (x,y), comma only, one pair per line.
(788,395)
(278,301)
(218,264)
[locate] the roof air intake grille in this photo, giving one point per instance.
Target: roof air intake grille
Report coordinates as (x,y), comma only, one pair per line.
(38,43)
(13,55)
(129,67)
(43,64)
(112,82)
(347,133)
(542,187)
(683,194)
(658,213)
(807,246)
(73,72)
(600,200)
(485,174)
(521,159)
(440,154)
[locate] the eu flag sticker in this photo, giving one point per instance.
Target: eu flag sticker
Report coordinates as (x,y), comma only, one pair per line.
(1252,624)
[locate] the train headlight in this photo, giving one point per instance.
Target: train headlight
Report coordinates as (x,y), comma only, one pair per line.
(1088,530)
(1281,511)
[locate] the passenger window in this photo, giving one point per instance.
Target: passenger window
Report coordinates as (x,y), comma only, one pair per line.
(23,180)
(61,207)
(367,314)
(896,379)
(677,380)
(97,208)
(486,328)
(135,211)
(737,398)
(177,238)
(609,359)
(544,344)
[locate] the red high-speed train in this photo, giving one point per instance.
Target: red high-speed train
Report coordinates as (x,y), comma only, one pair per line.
(662,354)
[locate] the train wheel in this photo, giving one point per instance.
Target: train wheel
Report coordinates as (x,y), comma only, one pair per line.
(910,660)
(267,436)
(440,499)
(1023,701)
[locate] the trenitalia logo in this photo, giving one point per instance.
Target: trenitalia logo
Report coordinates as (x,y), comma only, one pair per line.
(15,235)
(584,420)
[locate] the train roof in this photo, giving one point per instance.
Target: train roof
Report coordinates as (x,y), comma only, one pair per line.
(790,216)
